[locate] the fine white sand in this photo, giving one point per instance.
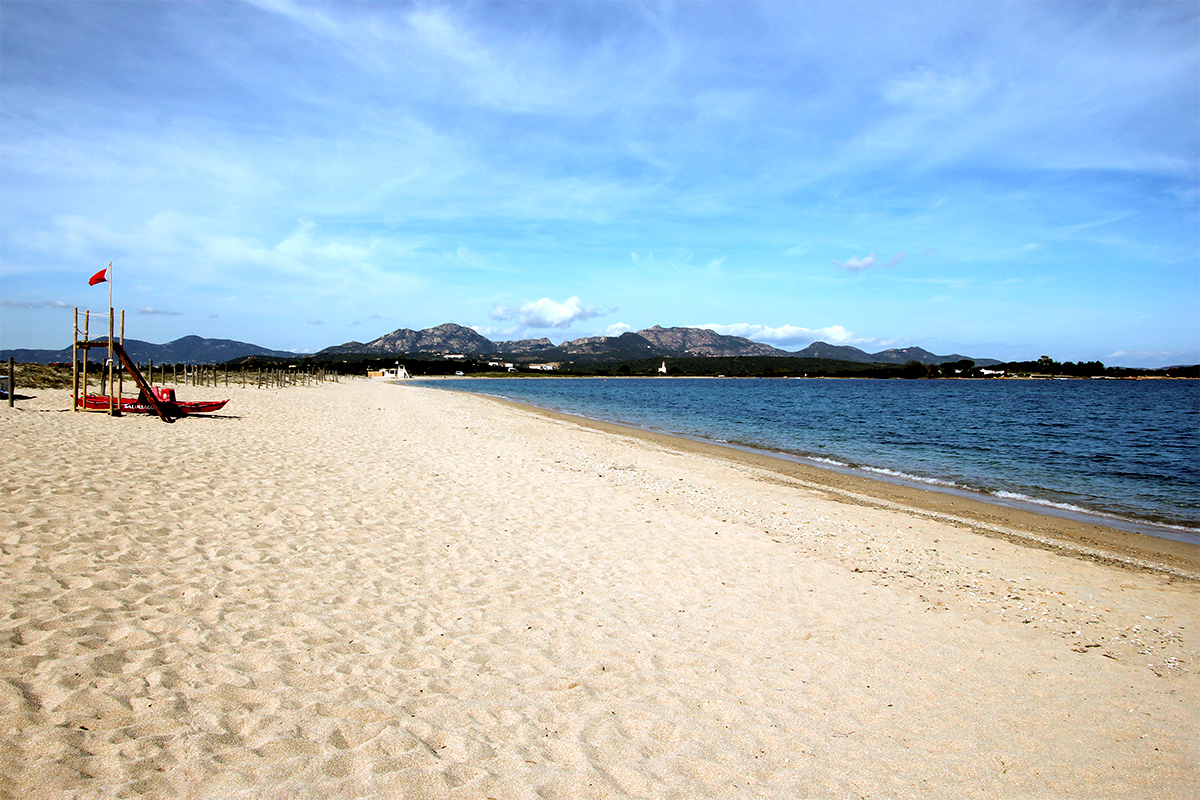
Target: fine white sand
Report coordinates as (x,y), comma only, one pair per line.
(367,590)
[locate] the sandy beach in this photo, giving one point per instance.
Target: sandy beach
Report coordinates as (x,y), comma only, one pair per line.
(362,590)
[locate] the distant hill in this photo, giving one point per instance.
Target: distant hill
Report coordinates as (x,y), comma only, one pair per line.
(446,339)
(187,350)
(603,349)
(683,342)
(901,356)
(526,346)
(835,352)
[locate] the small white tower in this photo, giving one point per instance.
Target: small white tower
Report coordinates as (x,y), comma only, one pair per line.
(663,369)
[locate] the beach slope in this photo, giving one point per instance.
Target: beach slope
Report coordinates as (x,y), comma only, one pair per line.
(367,590)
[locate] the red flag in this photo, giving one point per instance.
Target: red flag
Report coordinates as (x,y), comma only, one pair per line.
(99,277)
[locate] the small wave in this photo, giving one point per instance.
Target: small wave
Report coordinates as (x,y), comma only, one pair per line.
(1024,498)
(833,462)
(892,473)
(1087,512)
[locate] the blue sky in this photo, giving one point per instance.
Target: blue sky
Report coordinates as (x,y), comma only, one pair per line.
(1004,180)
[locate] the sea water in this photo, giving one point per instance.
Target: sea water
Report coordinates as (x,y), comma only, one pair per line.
(1125,451)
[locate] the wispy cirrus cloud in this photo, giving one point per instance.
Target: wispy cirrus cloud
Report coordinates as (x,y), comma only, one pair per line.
(43,304)
(855,264)
(286,160)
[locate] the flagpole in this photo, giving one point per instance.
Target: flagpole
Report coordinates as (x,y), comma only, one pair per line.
(112,405)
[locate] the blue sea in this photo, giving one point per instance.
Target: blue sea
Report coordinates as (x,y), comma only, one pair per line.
(1127,452)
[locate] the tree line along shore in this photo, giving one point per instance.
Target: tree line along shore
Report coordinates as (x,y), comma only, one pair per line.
(429,365)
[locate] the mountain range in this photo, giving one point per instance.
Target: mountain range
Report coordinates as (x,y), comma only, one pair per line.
(649,343)
(187,350)
(655,342)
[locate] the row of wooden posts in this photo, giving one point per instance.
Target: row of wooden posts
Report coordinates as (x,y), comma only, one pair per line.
(187,374)
(215,375)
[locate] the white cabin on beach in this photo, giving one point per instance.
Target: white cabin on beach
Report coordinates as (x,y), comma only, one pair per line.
(399,373)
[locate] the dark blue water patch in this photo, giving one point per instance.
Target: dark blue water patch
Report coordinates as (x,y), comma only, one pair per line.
(1126,449)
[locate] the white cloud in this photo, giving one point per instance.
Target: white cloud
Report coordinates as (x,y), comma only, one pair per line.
(618,329)
(790,335)
(856,264)
(159,311)
(546,313)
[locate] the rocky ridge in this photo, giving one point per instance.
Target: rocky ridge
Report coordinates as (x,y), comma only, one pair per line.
(653,342)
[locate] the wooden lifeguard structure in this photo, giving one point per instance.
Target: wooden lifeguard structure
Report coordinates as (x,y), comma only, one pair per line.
(115,375)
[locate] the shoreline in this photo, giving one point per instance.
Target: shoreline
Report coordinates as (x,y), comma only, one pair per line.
(1177,531)
(1059,532)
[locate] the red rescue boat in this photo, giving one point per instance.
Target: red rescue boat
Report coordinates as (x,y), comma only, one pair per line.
(164,395)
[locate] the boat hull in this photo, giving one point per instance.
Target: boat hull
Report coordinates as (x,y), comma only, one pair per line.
(130,405)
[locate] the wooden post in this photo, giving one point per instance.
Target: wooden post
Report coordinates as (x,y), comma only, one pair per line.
(112,324)
(12,382)
(121,372)
(75,360)
(87,321)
